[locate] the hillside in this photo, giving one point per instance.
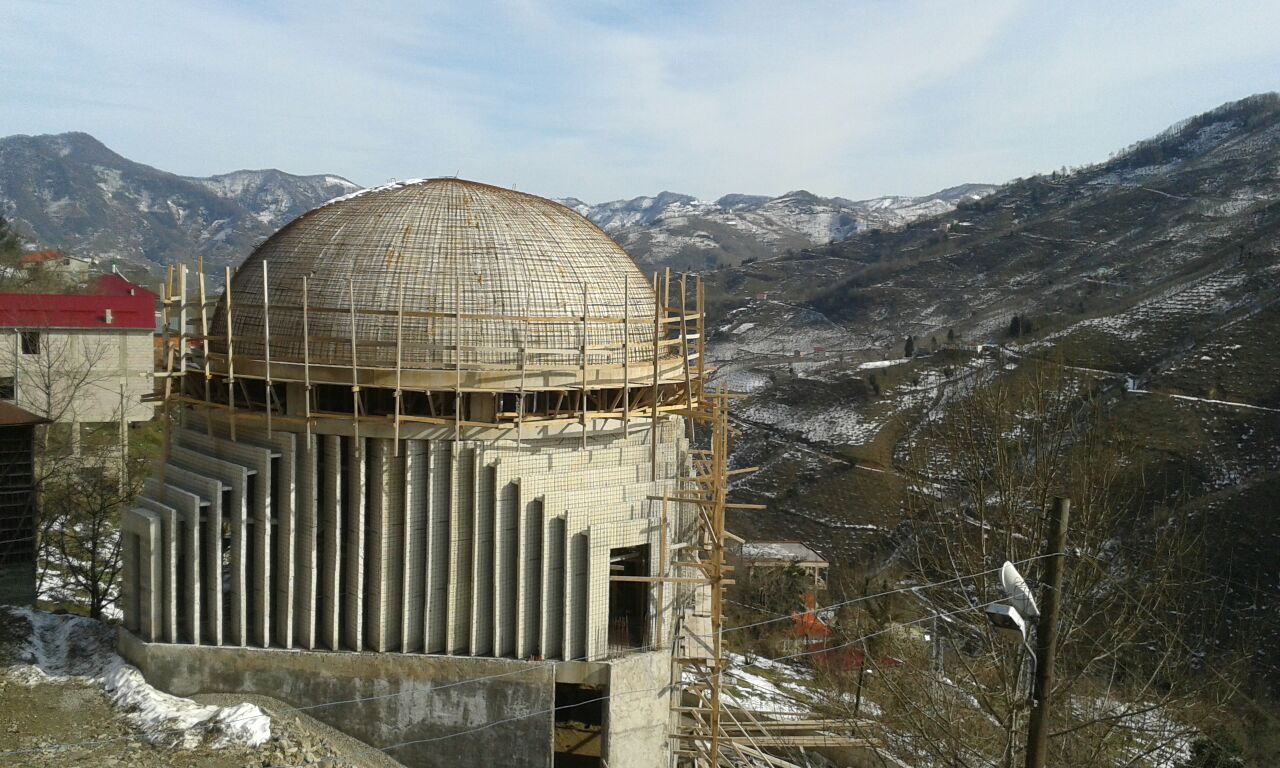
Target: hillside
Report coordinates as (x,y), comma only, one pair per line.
(683,232)
(1154,277)
(72,192)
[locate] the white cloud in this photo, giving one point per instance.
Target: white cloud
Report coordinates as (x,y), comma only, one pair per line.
(602,101)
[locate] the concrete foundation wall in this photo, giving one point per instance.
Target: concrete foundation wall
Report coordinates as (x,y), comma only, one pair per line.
(435,700)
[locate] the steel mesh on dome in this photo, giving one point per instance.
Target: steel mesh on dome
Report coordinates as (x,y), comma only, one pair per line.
(488,276)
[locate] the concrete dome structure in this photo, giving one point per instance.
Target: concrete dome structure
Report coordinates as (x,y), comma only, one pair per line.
(431,431)
(485,268)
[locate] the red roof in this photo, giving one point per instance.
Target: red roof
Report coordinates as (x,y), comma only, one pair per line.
(41,256)
(132,307)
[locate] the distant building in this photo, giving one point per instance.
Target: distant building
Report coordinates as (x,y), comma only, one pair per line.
(80,357)
(17,506)
(59,261)
(784,554)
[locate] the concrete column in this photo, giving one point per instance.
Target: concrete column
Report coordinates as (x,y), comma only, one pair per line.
(330,586)
(353,588)
(507,609)
(382,603)
(142,581)
(551,641)
(259,511)
(205,501)
(284,445)
(306,515)
(439,546)
(482,561)
(417,492)
(577,556)
(396,545)
(532,569)
(168,626)
(209,478)
(461,522)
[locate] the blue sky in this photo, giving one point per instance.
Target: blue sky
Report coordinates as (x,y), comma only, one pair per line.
(617,99)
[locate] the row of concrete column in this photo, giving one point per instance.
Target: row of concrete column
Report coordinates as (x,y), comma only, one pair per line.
(343,543)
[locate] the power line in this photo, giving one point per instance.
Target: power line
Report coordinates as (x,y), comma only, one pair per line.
(886,593)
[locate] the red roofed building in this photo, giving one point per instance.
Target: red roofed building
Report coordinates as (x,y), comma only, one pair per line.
(77,357)
(56,260)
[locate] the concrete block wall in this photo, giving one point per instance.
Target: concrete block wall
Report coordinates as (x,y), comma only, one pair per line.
(496,549)
(81,372)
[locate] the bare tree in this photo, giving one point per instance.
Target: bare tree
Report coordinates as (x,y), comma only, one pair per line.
(83,464)
(83,505)
(1130,684)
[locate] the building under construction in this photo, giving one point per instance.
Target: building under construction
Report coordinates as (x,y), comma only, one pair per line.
(429,455)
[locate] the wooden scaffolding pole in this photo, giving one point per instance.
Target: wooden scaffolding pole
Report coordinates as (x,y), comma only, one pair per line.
(266,344)
(582,399)
(355,372)
(657,335)
(626,358)
(684,351)
(457,363)
(184,336)
(399,358)
(166,319)
(524,344)
(231,353)
(702,337)
(306,358)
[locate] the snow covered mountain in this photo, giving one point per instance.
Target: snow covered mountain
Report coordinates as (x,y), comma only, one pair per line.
(69,190)
(682,231)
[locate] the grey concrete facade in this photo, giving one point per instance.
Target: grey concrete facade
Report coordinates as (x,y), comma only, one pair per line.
(471,548)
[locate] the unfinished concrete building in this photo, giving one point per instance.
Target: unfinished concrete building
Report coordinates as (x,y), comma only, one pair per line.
(421,451)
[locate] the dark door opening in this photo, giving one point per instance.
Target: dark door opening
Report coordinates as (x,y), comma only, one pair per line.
(629,600)
(579,729)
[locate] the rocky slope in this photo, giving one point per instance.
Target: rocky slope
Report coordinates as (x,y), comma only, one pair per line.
(71,191)
(683,232)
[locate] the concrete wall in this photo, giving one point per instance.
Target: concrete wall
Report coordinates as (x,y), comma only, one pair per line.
(639,711)
(418,697)
(469,548)
(77,374)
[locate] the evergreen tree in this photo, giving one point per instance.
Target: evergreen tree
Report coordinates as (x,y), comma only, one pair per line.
(910,347)
(1015,327)
(951,335)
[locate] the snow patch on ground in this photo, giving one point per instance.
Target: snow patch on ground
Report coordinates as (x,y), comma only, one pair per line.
(883,363)
(73,648)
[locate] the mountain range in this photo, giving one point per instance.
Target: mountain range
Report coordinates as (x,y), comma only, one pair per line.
(72,192)
(683,232)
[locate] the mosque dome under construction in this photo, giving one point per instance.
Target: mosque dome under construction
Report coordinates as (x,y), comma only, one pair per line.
(441,263)
(433,440)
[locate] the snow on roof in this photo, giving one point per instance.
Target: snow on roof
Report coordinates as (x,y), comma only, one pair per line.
(786,551)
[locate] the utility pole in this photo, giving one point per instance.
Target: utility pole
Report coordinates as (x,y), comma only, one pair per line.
(1047,636)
